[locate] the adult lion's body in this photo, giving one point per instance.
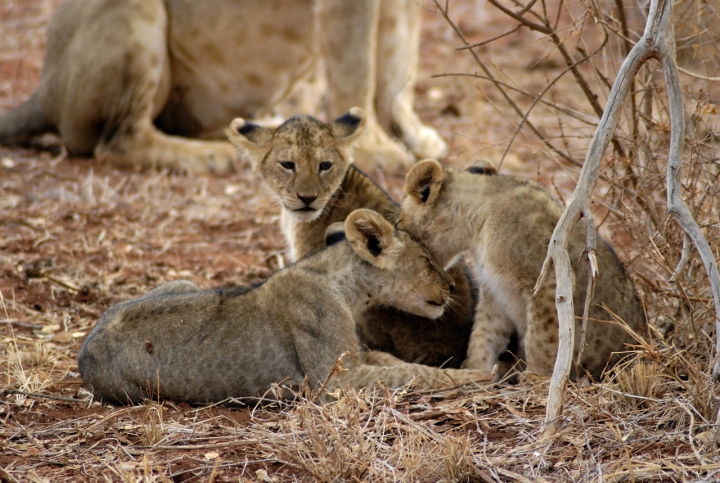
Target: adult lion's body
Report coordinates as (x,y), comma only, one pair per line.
(113,68)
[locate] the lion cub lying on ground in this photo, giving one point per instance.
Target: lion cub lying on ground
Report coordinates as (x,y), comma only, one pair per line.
(184,344)
(506,223)
(308,164)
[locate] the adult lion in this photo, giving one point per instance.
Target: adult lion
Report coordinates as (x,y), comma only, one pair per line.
(123,80)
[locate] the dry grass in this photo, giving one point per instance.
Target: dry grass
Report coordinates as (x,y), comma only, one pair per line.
(76,237)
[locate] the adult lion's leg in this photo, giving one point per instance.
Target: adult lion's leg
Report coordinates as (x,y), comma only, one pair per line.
(106,76)
(348,40)
(397,65)
(133,140)
(141,144)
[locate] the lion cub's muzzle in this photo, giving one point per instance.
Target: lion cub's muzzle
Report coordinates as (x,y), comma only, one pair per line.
(305,207)
(307,201)
(440,299)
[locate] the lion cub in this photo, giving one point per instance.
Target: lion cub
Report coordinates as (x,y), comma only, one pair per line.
(308,164)
(506,223)
(184,344)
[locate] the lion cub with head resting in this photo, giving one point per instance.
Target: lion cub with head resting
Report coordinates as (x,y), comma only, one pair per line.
(506,223)
(183,344)
(308,164)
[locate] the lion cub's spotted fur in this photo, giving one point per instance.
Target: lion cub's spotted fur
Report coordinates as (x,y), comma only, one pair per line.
(506,223)
(184,344)
(320,187)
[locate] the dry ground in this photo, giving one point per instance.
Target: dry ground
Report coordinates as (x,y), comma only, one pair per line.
(77,236)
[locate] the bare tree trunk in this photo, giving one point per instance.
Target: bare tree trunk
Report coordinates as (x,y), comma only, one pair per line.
(657,42)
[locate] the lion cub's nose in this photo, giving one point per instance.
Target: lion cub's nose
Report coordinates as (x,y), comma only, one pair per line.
(307,199)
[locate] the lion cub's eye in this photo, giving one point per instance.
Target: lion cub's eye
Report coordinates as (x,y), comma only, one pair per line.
(325,166)
(288,165)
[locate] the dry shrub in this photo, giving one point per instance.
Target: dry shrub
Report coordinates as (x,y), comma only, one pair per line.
(642,381)
(152,430)
(140,472)
(587,43)
(30,379)
(365,437)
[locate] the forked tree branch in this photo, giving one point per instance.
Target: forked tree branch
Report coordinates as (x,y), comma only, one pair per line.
(656,42)
(676,205)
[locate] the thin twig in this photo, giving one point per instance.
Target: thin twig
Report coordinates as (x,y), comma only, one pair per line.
(60,282)
(188,447)
(6,392)
(17,323)
(336,368)
(485,42)
(507,97)
(539,96)
(698,76)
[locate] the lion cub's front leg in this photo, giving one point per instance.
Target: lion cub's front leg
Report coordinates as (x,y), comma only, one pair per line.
(401,373)
(379,358)
(490,335)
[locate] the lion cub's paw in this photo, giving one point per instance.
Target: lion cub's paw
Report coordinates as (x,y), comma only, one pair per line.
(378,358)
(466,376)
(532,379)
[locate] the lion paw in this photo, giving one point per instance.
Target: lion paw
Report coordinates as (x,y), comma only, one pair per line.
(155,150)
(532,379)
(376,150)
(426,142)
(216,158)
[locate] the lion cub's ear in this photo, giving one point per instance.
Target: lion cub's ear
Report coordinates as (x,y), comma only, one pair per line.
(347,129)
(251,139)
(335,233)
(372,237)
(482,166)
(423,181)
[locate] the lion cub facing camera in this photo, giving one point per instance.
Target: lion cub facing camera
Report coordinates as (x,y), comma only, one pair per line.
(308,164)
(506,223)
(185,344)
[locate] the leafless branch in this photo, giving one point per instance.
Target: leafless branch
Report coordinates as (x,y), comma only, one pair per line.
(657,42)
(510,100)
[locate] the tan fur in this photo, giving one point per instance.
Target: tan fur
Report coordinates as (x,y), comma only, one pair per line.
(506,223)
(307,142)
(115,69)
(181,343)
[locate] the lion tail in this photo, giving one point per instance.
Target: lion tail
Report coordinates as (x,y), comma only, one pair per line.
(17,127)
